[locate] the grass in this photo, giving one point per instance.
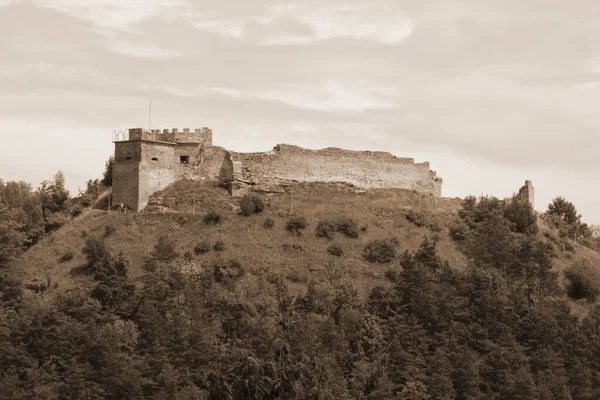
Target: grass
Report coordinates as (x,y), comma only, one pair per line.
(247,240)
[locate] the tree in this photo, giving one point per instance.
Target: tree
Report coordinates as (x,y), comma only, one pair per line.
(108,172)
(563,215)
(54,196)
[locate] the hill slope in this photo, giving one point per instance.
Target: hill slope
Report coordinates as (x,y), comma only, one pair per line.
(184,205)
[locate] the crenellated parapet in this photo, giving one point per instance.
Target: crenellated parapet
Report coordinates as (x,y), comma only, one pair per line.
(174,135)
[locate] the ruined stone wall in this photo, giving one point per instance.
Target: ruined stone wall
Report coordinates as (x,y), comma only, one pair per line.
(526,193)
(364,169)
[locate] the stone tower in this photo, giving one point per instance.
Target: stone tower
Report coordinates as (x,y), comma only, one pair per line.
(526,193)
(150,160)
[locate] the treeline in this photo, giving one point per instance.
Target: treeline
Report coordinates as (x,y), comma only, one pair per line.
(501,329)
(27,214)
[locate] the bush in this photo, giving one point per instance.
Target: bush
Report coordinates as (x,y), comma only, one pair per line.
(335,250)
(380,251)
(416,217)
(109,230)
(269,223)
(188,256)
(202,248)
(296,225)
(251,204)
(219,245)
(296,277)
(583,282)
(164,250)
(293,247)
(328,226)
(225,272)
(212,218)
(67,256)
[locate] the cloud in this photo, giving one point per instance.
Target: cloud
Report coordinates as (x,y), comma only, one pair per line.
(509,88)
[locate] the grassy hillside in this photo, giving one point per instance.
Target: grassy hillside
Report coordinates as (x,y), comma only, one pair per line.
(404,215)
(232,307)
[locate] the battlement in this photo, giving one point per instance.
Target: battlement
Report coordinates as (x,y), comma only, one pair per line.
(198,135)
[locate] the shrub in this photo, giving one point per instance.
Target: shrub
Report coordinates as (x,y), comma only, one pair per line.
(202,248)
(335,250)
(164,250)
(251,204)
(583,282)
(219,245)
(416,217)
(188,256)
(380,251)
(212,218)
(348,227)
(109,230)
(293,246)
(296,225)
(328,226)
(225,272)
(269,223)
(296,277)
(67,256)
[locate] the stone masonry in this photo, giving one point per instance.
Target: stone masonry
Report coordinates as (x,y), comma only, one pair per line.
(150,160)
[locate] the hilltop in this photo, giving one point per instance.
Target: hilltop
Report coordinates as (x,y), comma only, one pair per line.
(179,213)
(184,205)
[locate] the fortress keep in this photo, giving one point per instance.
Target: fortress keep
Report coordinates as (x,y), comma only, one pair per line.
(149,160)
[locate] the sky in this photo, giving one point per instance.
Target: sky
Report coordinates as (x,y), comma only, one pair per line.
(490,92)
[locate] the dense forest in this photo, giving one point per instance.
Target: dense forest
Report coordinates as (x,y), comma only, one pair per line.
(503,328)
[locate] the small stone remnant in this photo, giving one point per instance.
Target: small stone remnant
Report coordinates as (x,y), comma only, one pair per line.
(526,193)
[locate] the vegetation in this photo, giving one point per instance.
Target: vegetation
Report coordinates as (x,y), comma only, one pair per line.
(335,250)
(202,248)
(583,281)
(212,218)
(251,204)
(502,328)
(296,225)
(380,251)
(563,215)
(327,227)
(269,223)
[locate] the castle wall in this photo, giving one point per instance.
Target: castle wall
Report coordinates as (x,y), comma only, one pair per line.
(126,183)
(157,170)
(127,151)
(364,169)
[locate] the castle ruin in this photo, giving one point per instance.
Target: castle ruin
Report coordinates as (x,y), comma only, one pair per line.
(149,160)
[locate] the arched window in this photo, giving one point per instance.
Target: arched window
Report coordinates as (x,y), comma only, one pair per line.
(154,159)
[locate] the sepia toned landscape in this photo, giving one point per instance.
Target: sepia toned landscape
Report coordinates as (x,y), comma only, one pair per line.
(381,201)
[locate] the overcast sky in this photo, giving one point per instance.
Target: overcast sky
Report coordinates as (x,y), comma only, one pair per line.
(491,92)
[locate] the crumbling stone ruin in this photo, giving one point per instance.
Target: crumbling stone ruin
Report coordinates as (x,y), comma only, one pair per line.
(149,160)
(526,193)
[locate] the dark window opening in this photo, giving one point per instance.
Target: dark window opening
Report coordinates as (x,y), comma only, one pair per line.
(154,159)
(128,158)
(184,159)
